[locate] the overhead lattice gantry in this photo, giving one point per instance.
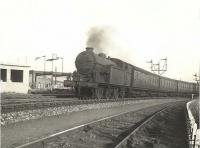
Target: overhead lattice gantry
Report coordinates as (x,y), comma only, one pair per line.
(159,67)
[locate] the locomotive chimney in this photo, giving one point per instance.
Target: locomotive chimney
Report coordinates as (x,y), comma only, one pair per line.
(89,49)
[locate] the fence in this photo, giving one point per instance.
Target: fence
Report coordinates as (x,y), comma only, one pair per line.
(194,132)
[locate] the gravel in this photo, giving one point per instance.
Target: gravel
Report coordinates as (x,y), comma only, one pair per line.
(104,133)
(168,130)
(22,132)
(18,116)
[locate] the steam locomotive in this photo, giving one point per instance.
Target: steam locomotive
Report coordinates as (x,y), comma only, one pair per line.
(100,77)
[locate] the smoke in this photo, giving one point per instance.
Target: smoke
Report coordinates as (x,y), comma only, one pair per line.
(111,42)
(99,38)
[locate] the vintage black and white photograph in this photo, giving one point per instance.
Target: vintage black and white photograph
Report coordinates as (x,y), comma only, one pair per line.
(100,73)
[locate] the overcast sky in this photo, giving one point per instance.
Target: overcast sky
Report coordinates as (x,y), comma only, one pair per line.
(138,31)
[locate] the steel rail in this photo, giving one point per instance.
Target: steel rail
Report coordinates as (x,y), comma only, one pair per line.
(66,101)
(65,131)
(120,143)
(6,108)
(41,142)
(71,100)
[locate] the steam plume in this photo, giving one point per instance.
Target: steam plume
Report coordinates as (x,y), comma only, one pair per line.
(98,38)
(109,41)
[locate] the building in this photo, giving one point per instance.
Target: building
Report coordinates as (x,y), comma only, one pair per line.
(47,79)
(14,78)
(41,82)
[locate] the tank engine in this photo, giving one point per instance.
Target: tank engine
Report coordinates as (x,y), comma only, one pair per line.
(100,77)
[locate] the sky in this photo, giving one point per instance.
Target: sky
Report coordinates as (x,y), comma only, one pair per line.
(136,32)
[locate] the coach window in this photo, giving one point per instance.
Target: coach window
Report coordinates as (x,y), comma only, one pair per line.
(17,75)
(126,66)
(3,75)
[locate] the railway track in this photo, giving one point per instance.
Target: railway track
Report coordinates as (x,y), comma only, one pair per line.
(21,101)
(124,140)
(18,105)
(41,100)
(112,131)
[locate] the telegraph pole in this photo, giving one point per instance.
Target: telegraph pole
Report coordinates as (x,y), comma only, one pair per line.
(44,63)
(196,77)
(44,59)
(54,57)
(156,67)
